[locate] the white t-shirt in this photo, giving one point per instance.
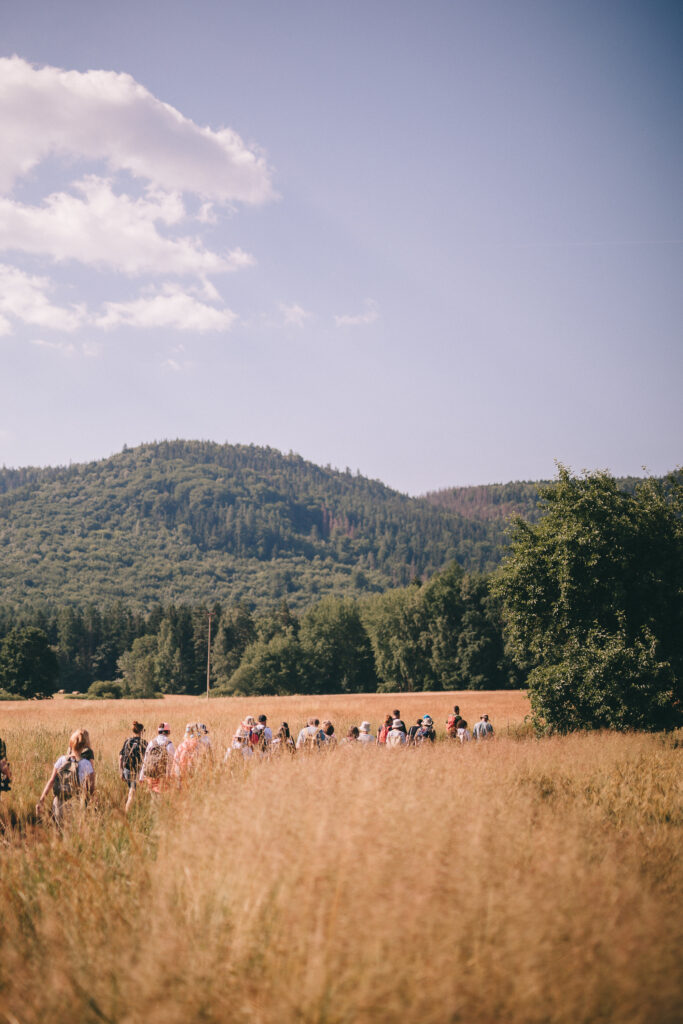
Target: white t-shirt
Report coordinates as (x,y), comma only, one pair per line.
(366,737)
(85,767)
(396,738)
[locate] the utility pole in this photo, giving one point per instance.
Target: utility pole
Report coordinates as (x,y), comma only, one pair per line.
(208,658)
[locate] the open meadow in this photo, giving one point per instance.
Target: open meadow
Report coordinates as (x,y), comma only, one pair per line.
(518,880)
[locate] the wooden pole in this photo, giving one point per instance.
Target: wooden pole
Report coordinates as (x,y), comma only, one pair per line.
(208,658)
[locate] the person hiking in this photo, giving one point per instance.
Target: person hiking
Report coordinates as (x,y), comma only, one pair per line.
(396,716)
(412,732)
(327,730)
(452,722)
(351,736)
(158,760)
(384,730)
(130,760)
(5,770)
(463,733)
(265,733)
(204,738)
(72,776)
(426,731)
(188,752)
(311,735)
(483,730)
(396,736)
(282,741)
(240,749)
(365,734)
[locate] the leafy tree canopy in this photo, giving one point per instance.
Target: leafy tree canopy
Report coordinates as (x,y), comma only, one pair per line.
(28,665)
(592,598)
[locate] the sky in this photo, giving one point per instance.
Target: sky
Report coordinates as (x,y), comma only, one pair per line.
(440,243)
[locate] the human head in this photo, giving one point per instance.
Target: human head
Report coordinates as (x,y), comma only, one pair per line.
(284,730)
(328,728)
(427,720)
(263,719)
(365,727)
(396,724)
(396,713)
(389,720)
(353,732)
(164,728)
(313,721)
(78,741)
(456,709)
(485,717)
(249,721)
(138,728)
(463,724)
(419,721)
(191,729)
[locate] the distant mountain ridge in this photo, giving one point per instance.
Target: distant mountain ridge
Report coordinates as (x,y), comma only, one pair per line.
(195,521)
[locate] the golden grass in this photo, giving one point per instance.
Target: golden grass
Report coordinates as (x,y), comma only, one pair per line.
(519,880)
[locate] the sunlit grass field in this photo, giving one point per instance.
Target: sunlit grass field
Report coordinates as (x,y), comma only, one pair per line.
(516,880)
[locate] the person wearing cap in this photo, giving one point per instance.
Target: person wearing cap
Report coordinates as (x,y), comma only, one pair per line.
(158,761)
(396,736)
(365,734)
(483,730)
(264,734)
(426,730)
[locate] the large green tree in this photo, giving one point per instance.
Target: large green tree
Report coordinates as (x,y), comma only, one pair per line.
(28,665)
(593,602)
(337,647)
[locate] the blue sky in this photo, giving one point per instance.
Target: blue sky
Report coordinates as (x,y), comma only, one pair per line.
(440,242)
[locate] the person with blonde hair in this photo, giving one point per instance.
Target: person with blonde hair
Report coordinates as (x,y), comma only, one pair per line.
(72,775)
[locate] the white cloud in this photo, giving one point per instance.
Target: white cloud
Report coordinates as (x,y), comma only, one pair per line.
(104,228)
(172,307)
(370,315)
(295,315)
(105,115)
(25,297)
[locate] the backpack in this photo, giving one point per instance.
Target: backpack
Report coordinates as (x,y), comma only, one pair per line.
(132,752)
(452,724)
(67,783)
(156,761)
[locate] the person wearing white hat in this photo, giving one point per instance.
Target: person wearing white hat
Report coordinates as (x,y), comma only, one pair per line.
(365,734)
(396,736)
(240,748)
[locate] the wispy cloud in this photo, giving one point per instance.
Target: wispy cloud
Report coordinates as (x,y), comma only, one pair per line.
(172,307)
(368,316)
(25,297)
(98,226)
(295,315)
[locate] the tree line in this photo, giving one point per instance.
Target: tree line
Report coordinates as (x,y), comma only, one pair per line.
(444,634)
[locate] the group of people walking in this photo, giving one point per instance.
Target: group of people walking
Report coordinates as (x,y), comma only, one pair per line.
(158,764)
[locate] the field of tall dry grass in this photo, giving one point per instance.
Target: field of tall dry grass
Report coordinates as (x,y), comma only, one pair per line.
(517,880)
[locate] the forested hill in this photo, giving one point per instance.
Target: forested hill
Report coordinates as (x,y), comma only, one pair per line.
(191,521)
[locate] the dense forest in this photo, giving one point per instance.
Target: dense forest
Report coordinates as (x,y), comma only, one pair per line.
(189,521)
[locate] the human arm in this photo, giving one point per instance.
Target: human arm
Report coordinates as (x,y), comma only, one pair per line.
(48,786)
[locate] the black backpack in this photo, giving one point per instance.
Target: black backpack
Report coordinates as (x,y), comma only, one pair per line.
(66,782)
(132,753)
